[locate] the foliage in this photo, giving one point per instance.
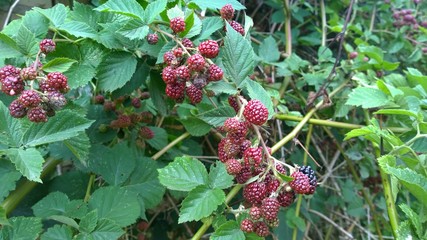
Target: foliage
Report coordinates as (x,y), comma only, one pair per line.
(140,150)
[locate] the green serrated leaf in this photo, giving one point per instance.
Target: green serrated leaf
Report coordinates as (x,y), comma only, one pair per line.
(28,161)
(64,125)
(144,181)
(22,228)
(130,8)
(200,203)
(36,23)
(79,75)
(107,229)
(58,65)
(217,116)
(404,231)
(218,176)
(10,128)
(414,219)
(153,10)
(116,204)
(268,50)
(116,70)
(53,204)
(209,26)
(183,174)
(79,146)
(56,14)
(222,87)
(114,166)
(238,56)
(195,126)
(193,26)
(256,91)
(134,29)
(8,47)
(8,177)
(218,4)
(88,222)
(228,231)
(65,220)
(26,41)
(79,29)
(58,232)
(160,139)
(367,98)
(175,12)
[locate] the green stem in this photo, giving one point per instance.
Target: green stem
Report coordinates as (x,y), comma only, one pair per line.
(323,14)
(288,29)
(12,201)
(89,187)
(303,121)
(335,124)
(170,145)
(388,195)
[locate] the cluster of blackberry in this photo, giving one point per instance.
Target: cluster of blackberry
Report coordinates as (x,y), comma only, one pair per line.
(244,161)
(407,17)
(227,13)
(187,71)
(38,95)
(127,116)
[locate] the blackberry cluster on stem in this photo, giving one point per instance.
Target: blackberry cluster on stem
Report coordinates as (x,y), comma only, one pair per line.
(227,13)
(266,192)
(38,94)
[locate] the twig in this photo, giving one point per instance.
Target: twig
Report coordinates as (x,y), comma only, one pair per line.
(9,13)
(349,235)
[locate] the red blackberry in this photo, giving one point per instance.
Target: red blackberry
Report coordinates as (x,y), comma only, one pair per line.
(253,156)
(272,222)
(194,94)
(280,168)
(109,106)
(29,98)
(233,103)
(187,43)
(270,208)
(247,226)
(57,81)
(255,192)
(200,81)
(255,213)
(245,144)
(28,73)
(12,85)
(152,38)
(227,12)
(177,24)
(286,198)
(169,58)
(301,183)
(136,102)
(215,73)
(17,110)
(169,75)
(183,73)
(144,95)
(196,62)
(238,27)
(146,117)
(231,146)
(178,52)
(175,90)
(146,133)
(255,112)
(261,229)
(37,114)
(353,55)
(122,121)
(209,48)
(244,175)
(235,127)
(99,99)
(233,166)
(9,70)
(47,46)
(272,185)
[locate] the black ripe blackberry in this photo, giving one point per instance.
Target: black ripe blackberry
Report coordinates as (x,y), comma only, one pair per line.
(310,174)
